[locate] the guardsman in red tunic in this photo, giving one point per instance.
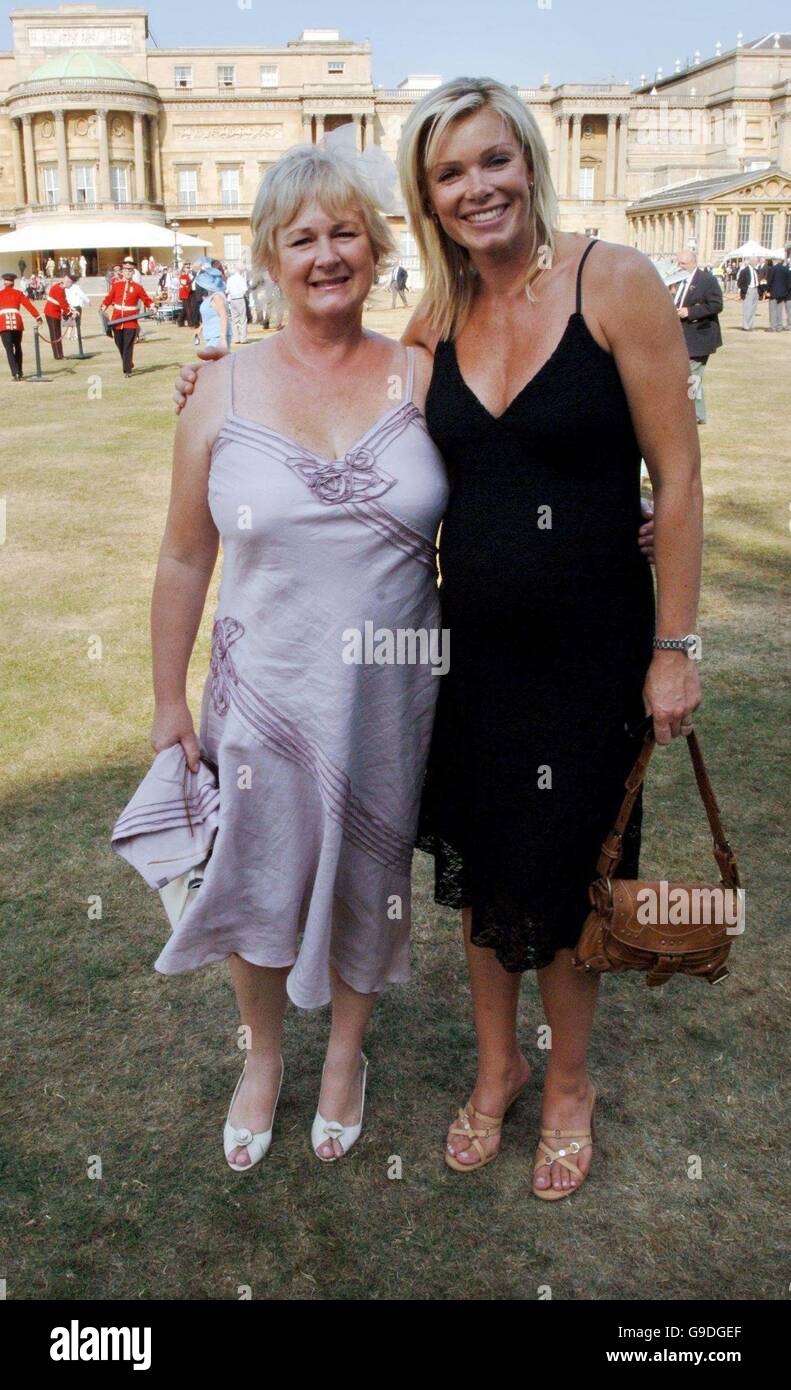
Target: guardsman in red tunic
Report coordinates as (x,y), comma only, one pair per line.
(56,305)
(185,288)
(11,324)
(122,300)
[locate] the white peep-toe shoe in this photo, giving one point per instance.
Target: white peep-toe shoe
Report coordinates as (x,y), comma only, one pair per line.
(257,1145)
(346,1135)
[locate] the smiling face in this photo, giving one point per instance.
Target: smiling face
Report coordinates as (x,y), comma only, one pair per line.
(479,184)
(325,264)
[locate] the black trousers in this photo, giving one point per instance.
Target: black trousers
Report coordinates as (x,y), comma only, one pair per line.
(125,342)
(12,342)
(55,331)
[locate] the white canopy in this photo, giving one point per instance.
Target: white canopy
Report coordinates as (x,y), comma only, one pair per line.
(748,248)
(75,233)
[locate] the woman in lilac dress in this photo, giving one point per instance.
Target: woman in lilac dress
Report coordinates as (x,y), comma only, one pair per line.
(308,456)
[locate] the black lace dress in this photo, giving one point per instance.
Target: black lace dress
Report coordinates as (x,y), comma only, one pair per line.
(550,608)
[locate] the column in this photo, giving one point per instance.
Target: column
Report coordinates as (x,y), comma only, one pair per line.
(358,132)
(574,177)
(64,190)
(19,165)
(563,137)
(319,128)
(307,128)
(140,162)
(105,192)
(30,158)
(620,176)
(609,177)
(156,159)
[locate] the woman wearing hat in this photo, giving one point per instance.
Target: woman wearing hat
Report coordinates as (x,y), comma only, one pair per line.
(215,319)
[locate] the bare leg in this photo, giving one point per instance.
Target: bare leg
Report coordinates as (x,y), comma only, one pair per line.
(340,1087)
(502,1068)
(569,997)
(262,999)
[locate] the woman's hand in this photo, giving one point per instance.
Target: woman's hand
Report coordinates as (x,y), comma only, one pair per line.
(185,382)
(645,536)
(173,724)
(671,694)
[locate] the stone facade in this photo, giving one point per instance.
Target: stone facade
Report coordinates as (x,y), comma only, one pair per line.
(94,120)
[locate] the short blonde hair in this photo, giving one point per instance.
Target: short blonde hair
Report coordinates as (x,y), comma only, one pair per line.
(305,174)
(449,274)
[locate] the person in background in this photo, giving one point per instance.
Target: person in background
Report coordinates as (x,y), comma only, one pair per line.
(183,291)
(122,300)
(12,301)
(777,290)
(56,308)
(21,266)
(747,284)
(787,300)
(144,266)
(236,291)
(49,267)
(83,263)
(398,281)
(698,301)
(78,300)
(194,301)
(215,318)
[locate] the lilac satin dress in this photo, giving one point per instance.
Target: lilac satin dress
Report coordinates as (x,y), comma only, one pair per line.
(320,757)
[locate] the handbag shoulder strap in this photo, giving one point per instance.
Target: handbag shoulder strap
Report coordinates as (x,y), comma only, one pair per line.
(612,849)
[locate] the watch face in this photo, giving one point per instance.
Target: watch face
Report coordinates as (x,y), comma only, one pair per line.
(694,646)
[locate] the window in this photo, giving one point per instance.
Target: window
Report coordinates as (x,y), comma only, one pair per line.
(269,75)
(720,228)
(587,172)
(745,227)
(84,184)
(50,186)
(232,247)
(229,188)
(226,75)
(182,77)
(119,183)
(334,66)
(188,188)
(591,231)
(767,229)
(788,227)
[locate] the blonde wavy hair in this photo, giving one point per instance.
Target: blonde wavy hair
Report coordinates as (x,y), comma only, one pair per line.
(449,273)
(306,174)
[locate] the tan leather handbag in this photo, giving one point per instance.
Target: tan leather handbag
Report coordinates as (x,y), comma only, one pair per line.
(662,928)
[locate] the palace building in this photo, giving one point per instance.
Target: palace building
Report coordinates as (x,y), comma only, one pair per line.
(98,126)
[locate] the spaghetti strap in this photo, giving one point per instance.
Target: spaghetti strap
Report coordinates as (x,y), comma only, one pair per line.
(585,253)
(410,372)
(231,395)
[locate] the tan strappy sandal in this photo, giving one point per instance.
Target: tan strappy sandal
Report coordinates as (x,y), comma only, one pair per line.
(546,1156)
(492,1125)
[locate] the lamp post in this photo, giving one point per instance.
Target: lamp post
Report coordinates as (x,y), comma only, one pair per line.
(175,226)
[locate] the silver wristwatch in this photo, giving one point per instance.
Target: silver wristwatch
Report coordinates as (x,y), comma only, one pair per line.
(691,644)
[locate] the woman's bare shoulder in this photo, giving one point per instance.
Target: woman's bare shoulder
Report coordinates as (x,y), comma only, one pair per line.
(420,332)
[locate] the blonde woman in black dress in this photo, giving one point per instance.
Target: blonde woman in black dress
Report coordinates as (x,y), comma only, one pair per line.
(558,362)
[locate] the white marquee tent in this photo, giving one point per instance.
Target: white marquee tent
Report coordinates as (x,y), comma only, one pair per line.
(76,233)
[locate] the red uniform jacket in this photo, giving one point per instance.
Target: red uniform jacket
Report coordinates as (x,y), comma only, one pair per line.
(122,298)
(56,304)
(11,301)
(185,284)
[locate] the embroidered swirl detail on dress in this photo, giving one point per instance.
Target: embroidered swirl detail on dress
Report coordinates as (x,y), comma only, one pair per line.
(350,479)
(224,633)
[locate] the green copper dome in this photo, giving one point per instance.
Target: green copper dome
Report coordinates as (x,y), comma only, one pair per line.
(79,65)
